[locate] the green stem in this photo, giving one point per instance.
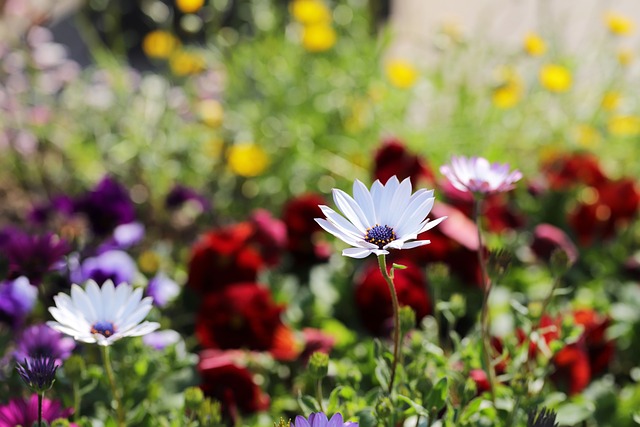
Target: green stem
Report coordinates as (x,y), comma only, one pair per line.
(76,398)
(40,397)
(319,393)
(112,382)
(382,262)
(484,317)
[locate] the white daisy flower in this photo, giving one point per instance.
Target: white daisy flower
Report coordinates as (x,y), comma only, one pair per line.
(477,175)
(385,217)
(102,315)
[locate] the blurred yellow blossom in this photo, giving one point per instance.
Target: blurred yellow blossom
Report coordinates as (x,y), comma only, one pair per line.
(619,24)
(149,262)
(159,44)
(318,37)
(587,136)
(555,78)
(624,125)
(184,63)
(310,12)
(247,159)
(610,101)
(189,6)
(210,112)
(402,74)
(510,89)
(213,148)
(625,56)
(534,45)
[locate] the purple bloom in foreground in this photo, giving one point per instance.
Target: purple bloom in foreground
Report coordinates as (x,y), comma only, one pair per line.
(106,206)
(32,256)
(477,175)
(17,298)
(24,412)
(113,265)
(42,340)
(385,217)
(38,372)
(163,289)
(318,419)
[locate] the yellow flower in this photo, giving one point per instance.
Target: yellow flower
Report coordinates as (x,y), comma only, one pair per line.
(402,74)
(210,112)
(310,12)
(534,45)
(149,262)
(247,159)
(587,136)
(610,101)
(624,125)
(159,44)
(625,56)
(318,37)
(618,24)
(555,78)
(189,6)
(184,63)
(509,92)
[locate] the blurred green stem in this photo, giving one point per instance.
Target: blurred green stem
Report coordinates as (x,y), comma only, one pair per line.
(319,393)
(40,397)
(486,287)
(112,382)
(382,262)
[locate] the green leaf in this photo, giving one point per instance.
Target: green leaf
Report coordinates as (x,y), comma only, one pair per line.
(383,373)
(366,418)
(334,400)
(574,413)
(398,266)
(308,404)
(418,409)
(438,395)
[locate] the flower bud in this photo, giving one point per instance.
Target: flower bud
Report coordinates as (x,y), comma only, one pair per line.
(319,365)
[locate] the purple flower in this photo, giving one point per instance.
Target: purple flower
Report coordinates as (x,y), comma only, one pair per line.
(41,339)
(477,175)
(163,289)
(38,372)
(17,298)
(161,339)
(318,419)
(32,256)
(24,412)
(180,194)
(113,265)
(124,236)
(106,206)
(40,214)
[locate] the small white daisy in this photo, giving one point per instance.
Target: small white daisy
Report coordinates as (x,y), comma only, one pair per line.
(385,217)
(102,315)
(477,175)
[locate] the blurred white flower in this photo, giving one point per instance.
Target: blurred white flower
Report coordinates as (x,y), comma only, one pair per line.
(477,175)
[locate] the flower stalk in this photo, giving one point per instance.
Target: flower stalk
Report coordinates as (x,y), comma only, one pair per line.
(382,262)
(114,389)
(40,397)
(485,325)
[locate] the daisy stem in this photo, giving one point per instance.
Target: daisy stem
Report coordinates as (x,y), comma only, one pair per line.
(382,262)
(484,316)
(40,397)
(319,393)
(112,382)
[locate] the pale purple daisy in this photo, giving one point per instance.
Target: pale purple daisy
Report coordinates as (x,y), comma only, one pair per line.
(162,289)
(42,340)
(17,299)
(102,315)
(318,419)
(385,217)
(113,265)
(477,175)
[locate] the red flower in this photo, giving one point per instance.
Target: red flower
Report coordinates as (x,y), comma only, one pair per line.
(572,371)
(316,340)
(373,299)
(479,377)
(547,239)
(393,158)
(302,230)
(600,350)
(567,170)
(270,234)
(615,204)
(232,385)
(244,316)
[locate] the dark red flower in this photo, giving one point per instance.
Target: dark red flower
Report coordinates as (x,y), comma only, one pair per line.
(481,380)
(393,158)
(230,384)
(547,239)
(614,205)
(223,256)
(373,299)
(244,316)
(304,235)
(572,371)
(270,234)
(569,169)
(599,349)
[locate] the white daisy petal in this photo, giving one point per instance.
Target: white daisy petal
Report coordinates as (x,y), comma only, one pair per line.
(340,222)
(363,198)
(428,225)
(350,209)
(357,252)
(333,229)
(415,244)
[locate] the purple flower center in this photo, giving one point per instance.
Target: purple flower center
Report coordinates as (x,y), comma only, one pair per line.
(105,328)
(380,235)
